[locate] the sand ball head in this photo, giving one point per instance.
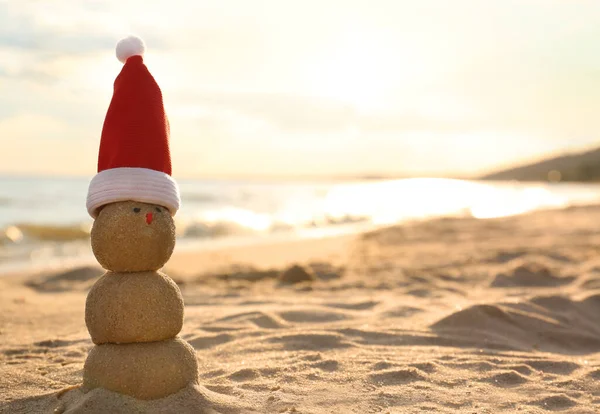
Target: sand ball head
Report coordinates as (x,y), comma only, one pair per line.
(130,236)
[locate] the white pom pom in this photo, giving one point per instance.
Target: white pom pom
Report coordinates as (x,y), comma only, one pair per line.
(130,46)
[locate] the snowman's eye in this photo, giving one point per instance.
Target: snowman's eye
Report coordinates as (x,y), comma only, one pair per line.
(158,210)
(137,209)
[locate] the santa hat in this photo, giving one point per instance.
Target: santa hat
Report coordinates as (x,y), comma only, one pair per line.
(134,162)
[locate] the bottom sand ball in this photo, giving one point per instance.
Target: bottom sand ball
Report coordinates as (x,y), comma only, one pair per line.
(145,371)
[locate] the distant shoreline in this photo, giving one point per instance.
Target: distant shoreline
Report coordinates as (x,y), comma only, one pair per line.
(582,167)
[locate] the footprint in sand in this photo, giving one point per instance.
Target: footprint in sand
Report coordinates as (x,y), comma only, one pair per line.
(256,319)
(397,377)
(590,283)
(209,341)
(521,369)
(329,365)
(595,375)
(313,316)
(555,403)
(428,367)
(245,374)
(80,279)
(529,274)
(553,367)
(367,305)
(310,341)
(548,323)
(506,379)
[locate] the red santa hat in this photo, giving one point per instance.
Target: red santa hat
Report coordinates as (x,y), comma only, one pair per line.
(134,162)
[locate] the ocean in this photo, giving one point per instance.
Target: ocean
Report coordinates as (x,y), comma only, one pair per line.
(43,220)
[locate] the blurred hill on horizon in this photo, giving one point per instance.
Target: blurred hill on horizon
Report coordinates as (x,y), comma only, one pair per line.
(581,166)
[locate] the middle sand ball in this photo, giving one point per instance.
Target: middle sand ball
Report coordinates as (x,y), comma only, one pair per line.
(133,307)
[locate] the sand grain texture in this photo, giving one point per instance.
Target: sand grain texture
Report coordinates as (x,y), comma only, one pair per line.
(122,241)
(147,370)
(446,316)
(133,307)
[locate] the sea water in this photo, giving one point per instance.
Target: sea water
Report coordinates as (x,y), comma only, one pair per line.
(43,220)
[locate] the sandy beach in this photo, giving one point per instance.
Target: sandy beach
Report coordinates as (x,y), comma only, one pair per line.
(443,316)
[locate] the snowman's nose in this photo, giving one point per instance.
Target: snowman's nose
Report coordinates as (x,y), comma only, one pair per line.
(148,218)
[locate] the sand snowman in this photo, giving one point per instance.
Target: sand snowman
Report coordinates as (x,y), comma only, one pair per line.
(134,312)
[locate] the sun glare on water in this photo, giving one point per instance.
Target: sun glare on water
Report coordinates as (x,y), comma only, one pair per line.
(392,202)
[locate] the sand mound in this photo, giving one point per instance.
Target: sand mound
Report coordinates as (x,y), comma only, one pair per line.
(297,274)
(291,275)
(529,274)
(133,307)
(191,399)
(147,371)
(546,323)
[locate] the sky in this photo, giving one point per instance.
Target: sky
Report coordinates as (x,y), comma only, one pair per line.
(307,88)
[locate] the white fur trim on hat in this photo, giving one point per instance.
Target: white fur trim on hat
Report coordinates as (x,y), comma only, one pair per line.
(136,184)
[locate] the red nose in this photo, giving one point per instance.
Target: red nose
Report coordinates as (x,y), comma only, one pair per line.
(148,218)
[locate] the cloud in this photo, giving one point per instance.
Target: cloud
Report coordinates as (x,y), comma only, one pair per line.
(275,79)
(283,111)
(35,35)
(19,29)
(310,114)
